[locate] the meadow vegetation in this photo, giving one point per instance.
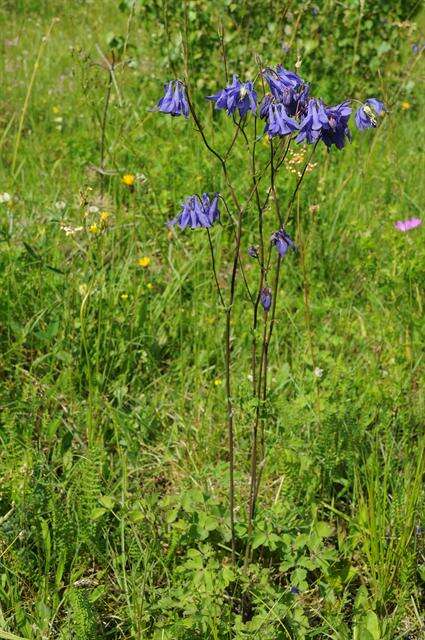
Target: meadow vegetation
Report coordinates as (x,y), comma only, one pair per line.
(114,516)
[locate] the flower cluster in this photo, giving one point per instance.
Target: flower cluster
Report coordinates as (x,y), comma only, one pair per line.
(197,212)
(296,160)
(287,108)
(286,88)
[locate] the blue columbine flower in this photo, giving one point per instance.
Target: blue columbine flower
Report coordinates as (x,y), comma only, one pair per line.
(287,87)
(278,121)
(174,100)
(418,47)
(313,122)
(265,104)
(238,95)
(282,242)
(337,131)
(281,78)
(295,100)
(197,212)
(266,298)
(366,116)
(253,251)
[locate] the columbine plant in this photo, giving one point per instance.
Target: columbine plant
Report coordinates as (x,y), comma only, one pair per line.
(291,115)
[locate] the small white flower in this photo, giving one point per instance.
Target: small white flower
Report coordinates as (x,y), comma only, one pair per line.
(92,209)
(5,197)
(60,205)
(318,372)
(70,231)
(249,376)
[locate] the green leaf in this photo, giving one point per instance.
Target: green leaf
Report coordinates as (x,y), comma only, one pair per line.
(9,636)
(259,539)
(307,563)
(324,529)
(384,47)
(136,515)
(97,513)
(361,633)
(171,516)
(107,501)
(372,625)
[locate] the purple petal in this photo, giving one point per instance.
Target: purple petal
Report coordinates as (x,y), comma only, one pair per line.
(407,225)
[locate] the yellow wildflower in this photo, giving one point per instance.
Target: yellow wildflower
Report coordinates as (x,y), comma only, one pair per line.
(405,105)
(217,382)
(55,109)
(128,179)
(149,285)
(93,228)
(104,216)
(124,296)
(144,262)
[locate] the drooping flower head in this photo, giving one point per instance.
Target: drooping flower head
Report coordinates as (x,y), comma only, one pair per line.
(337,131)
(297,105)
(280,79)
(266,298)
(281,240)
(197,212)
(265,104)
(238,95)
(174,100)
(418,47)
(278,121)
(313,122)
(367,114)
(253,251)
(287,87)
(407,225)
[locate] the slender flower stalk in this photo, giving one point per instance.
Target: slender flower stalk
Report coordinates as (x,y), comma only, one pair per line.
(290,113)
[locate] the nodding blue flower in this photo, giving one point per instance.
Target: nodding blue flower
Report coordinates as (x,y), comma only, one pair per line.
(366,116)
(238,95)
(197,212)
(253,251)
(296,100)
(417,48)
(280,78)
(265,104)
(278,121)
(337,132)
(174,100)
(313,122)
(266,298)
(288,88)
(281,240)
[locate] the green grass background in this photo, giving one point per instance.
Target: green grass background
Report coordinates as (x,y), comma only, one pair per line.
(113,512)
